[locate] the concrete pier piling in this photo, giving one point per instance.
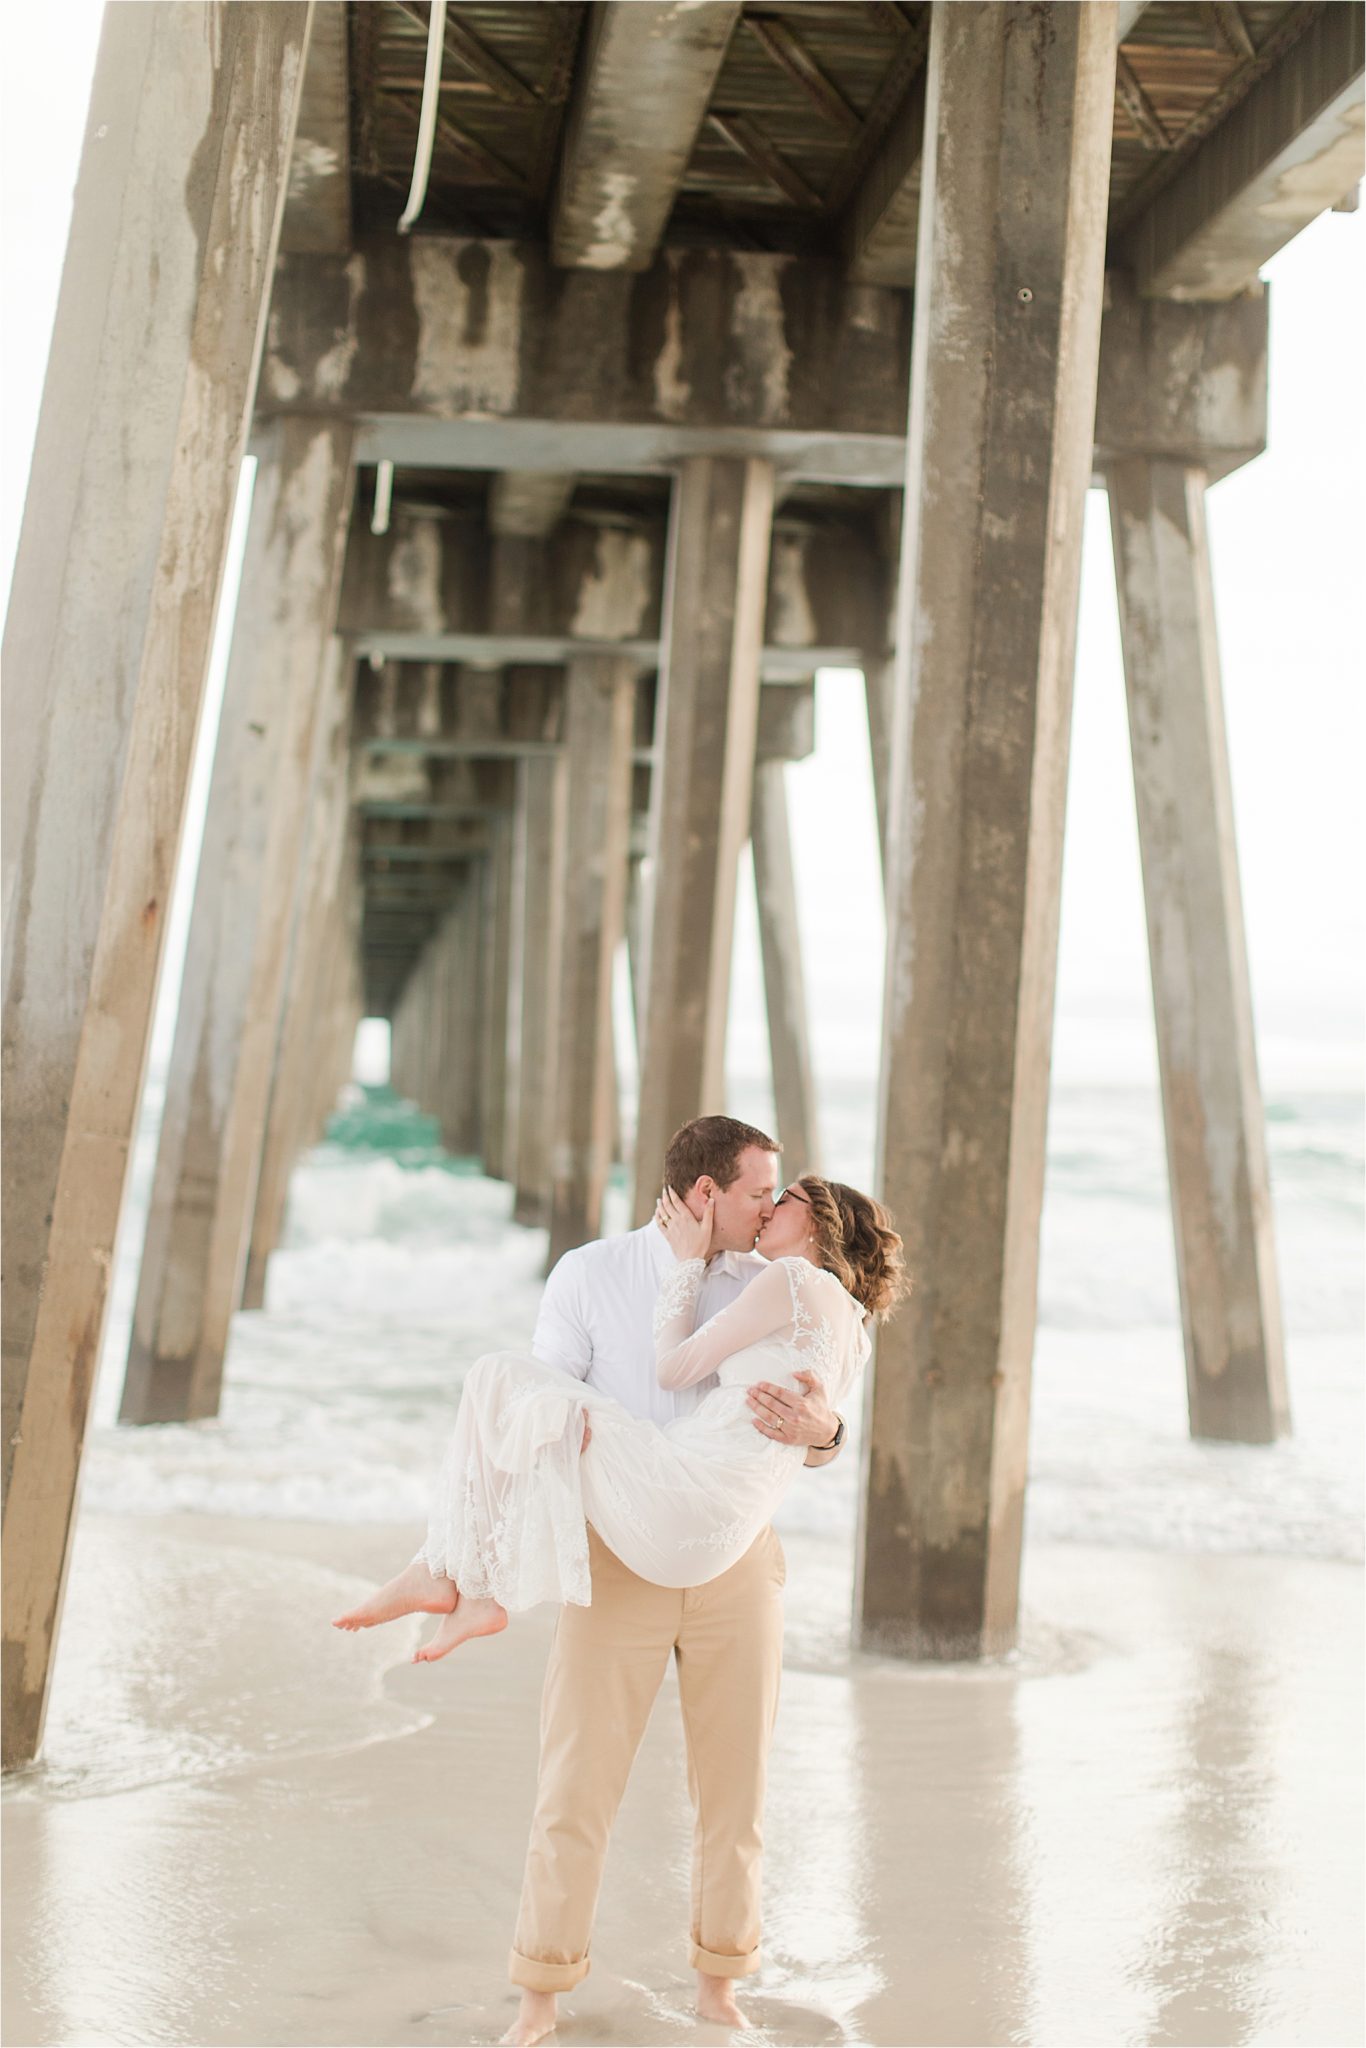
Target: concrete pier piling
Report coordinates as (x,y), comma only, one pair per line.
(599,729)
(213,1124)
(541,825)
(496,955)
(789,1038)
(706,735)
(458,1041)
(1183,403)
(173,238)
(654,417)
(1202,998)
(1009,274)
(331,856)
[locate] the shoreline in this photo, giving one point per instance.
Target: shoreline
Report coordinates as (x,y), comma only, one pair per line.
(251,1828)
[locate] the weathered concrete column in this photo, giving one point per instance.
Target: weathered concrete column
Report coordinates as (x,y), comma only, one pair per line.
(1003,377)
(148,390)
(1202,997)
(320,1081)
(435,992)
(213,1124)
(637,945)
(878,655)
(429,1023)
(339,1011)
(410,1026)
(706,724)
(789,1039)
(496,952)
(339,1040)
(401,1044)
(539,856)
(459,968)
(599,722)
(327,849)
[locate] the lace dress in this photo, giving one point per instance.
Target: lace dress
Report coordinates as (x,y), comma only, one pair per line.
(677,1502)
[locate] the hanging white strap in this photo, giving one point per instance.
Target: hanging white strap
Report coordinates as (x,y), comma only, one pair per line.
(426,126)
(384,492)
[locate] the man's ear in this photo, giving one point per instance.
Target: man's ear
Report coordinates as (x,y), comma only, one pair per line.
(704,1187)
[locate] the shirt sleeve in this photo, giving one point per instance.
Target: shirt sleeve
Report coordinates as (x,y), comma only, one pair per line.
(681,1358)
(562,1337)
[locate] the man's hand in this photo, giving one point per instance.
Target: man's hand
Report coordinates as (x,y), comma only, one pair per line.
(785,1417)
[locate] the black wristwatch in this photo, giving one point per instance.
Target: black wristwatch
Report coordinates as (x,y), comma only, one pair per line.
(837,1439)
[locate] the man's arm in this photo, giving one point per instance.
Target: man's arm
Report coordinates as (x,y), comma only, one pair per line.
(562,1336)
(805,1414)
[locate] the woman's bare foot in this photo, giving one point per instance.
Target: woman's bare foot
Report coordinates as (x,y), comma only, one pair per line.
(535,2020)
(716,2001)
(414,1591)
(467,1618)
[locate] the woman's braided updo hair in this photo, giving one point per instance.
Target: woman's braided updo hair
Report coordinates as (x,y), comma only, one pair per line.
(857,1243)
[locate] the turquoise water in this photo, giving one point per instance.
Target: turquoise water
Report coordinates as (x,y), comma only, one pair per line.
(375,1120)
(400,1265)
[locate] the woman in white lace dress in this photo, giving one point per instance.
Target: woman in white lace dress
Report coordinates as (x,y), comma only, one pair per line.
(677,1502)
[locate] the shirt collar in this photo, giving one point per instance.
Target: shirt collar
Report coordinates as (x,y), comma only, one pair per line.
(740,1265)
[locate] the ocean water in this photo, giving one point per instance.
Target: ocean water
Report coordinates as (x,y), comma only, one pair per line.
(400,1265)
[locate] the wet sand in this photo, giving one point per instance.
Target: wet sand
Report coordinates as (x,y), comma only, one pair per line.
(1144,1827)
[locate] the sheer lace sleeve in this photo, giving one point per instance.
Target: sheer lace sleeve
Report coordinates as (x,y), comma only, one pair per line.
(828,1330)
(681,1360)
(676,1303)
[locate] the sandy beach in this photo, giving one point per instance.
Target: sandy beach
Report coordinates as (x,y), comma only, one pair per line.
(1143,1827)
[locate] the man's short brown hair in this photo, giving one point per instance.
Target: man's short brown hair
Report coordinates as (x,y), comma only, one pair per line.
(711,1145)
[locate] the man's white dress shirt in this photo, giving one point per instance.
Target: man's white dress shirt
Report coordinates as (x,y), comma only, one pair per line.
(597,1316)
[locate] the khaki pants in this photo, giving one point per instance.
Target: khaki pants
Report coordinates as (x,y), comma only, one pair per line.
(605,1668)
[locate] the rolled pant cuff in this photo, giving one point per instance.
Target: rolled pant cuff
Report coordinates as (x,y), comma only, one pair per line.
(534,1976)
(722,1966)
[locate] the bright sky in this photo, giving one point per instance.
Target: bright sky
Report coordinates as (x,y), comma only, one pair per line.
(1287,542)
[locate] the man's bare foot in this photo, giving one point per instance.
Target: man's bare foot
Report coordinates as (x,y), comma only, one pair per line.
(716,2001)
(535,2020)
(467,1618)
(414,1591)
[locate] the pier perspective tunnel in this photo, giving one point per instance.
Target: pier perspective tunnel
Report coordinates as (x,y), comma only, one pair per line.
(609,371)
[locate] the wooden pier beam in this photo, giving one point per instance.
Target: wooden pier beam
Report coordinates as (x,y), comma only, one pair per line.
(213,1124)
(1009,277)
(599,730)
(149,386)
(706,729)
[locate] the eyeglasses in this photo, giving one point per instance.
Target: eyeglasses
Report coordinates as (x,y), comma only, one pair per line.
(796,1195)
